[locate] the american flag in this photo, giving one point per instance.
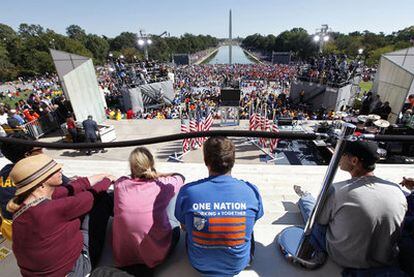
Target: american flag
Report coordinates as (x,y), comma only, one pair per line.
(252,122)
(193,128)
(274,141)
(257,123)
(186,142)
(267,127)
(262,141)
(200,128)
(209,122)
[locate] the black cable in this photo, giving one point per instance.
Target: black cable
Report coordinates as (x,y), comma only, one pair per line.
(227,133)
(399,138)
(160,139)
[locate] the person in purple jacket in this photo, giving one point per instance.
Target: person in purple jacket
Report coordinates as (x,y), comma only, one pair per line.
(50,222)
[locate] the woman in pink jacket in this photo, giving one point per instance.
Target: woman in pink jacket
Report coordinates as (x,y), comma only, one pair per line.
(142,233)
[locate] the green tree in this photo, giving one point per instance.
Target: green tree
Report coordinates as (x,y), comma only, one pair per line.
(30,30)
(99,47)
(7,33)
(405,34)
(124,40)
(131,54)
(7,69)
(75,32)
(76,47)
(375,55)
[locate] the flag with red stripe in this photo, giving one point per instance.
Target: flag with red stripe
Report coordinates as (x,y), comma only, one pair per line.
(267,128)
(262,141)
(186,142)
(209,122)
(193,128)
(200,128)
(274,141)
(252,122)
(219,231)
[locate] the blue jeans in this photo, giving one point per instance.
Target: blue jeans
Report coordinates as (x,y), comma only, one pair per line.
(318,236)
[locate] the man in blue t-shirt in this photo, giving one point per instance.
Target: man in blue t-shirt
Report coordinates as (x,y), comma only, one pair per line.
(218,213)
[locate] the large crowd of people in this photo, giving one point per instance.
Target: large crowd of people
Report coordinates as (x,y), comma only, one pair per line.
(331,69)
(37,99)
(58,225)
(263,86)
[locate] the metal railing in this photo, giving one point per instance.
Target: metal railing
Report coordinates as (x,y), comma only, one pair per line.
(40,126)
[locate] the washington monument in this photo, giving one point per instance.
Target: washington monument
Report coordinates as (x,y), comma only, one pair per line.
(230,39)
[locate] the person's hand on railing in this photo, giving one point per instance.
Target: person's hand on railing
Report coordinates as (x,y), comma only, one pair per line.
(94,179)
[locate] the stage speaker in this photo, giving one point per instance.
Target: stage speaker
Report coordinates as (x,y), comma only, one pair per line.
(281,57)
(230,97)
(285,122)
(181,59)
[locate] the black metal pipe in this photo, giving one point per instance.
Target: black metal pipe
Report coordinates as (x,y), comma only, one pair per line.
(160,139)
(400,138)
(304,249)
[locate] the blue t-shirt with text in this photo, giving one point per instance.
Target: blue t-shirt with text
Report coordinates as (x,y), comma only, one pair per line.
(219,213)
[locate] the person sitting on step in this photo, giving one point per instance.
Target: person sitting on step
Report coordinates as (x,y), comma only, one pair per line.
(145,230)
(52,235)
(218,214)
(360,222)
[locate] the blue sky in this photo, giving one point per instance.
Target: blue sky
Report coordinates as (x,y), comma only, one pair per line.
(109,18)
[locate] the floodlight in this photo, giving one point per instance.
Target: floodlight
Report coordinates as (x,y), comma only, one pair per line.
(360,51)
(121,57)
(141,42)
(326,38)
(149,41)
(316,38)
(110,55)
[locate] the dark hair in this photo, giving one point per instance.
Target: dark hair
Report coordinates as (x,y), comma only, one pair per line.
(15,152)
(219,154)
(365,151)
(368,165)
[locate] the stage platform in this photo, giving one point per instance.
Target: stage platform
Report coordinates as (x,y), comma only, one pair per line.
(279,200)
(246,153)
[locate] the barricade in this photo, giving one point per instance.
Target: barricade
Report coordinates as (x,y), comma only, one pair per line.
(41,126)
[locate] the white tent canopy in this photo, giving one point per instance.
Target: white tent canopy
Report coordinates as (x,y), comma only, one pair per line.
(395,79)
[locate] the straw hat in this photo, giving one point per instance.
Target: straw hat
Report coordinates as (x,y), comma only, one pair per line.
(33,170)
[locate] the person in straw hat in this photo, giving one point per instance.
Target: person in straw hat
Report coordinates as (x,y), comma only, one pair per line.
(50,222)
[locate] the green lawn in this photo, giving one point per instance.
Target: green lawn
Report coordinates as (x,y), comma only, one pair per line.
(23,95)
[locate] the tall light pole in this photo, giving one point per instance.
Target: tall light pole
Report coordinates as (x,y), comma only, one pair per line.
(322,36)
(52,43)
(144,41)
